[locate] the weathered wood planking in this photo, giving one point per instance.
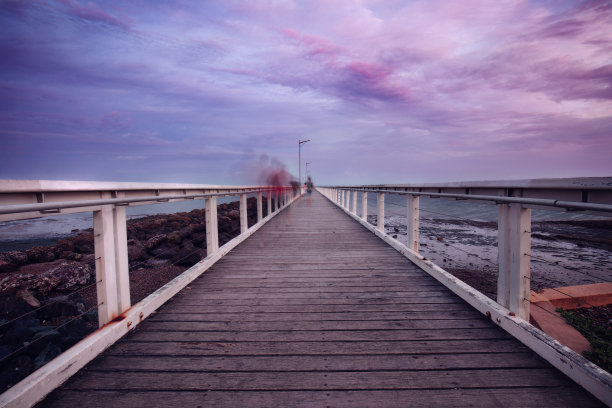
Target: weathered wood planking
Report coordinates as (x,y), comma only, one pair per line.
(313,310)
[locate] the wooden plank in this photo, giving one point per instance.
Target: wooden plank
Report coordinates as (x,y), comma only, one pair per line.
(302,317)
(311,335)
(328,380)
(317,308)
(319,363)
(195,348)
(550,397)
(317,325)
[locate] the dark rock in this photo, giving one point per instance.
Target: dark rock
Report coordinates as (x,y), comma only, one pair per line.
(163,252)
(136,251)
(174,237)
(21,331)
(235,214)
(12,307)
(155,241)
(188,255)
(5,350)
(39,254)
(186,232)
(47,354)
(61,306)
(91,316)
(15,370)
(64,245)
(44,336)
(10,261)
(84,243)
(198,227)
(199,240)
(74,332)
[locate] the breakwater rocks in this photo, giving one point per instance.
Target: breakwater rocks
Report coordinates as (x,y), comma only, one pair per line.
(40,282)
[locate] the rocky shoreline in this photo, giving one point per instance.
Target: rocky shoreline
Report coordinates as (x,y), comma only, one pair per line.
(41,282)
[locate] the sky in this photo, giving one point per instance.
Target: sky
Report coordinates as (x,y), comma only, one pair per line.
(387,91)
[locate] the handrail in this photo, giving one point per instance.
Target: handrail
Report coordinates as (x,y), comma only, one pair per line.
(497,199)
(21,208)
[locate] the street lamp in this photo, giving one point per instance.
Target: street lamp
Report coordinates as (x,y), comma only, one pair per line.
(300,143)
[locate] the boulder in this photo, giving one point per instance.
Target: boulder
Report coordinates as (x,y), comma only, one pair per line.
(136,251)
(155,241)
(174,237)
(10,261)
(188,255)
(59,275)
(84,243)
(40,254)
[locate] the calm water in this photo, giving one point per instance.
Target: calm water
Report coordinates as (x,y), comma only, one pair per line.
(18,235)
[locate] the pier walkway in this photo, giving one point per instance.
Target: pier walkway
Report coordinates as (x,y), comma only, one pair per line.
(314,310)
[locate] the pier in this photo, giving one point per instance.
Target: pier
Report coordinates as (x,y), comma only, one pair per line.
(310,308)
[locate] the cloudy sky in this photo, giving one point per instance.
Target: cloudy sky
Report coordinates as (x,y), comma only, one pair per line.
(387,91)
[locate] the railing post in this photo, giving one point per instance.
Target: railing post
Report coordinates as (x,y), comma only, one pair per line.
(122,265)
(244,225)
(381,212)
(354,211)
(412,227)
(269,200)
(106,278)
(212,230)
(514,257)
(346,199)
(259,206)
(364,205)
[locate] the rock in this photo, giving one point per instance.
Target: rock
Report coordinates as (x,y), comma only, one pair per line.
(198,227)
(186,232)
(10,261)
(28,297)
(234,214)
(21,331)
(15,370)
(163,252)
(40,254)
(47,354)
(136,251)
(44,336)
(199,240)
(155,241)
(188,255)
(84,243)
(74,332)
(59,275)
(61,306)
(64,245)
(174,237)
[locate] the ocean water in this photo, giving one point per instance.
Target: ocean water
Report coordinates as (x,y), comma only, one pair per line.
(19,235)
(436,208)
(22,234)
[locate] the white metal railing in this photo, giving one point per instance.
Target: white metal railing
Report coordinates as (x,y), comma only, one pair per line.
(514,202)
(24,199)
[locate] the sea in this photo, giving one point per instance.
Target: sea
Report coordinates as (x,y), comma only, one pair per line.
(22,234)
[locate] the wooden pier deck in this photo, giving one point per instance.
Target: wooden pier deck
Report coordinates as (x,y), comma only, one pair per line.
(314,310)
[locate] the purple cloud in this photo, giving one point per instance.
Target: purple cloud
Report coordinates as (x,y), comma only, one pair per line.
(418,91)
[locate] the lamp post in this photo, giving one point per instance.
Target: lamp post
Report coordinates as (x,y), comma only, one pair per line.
(300,143)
